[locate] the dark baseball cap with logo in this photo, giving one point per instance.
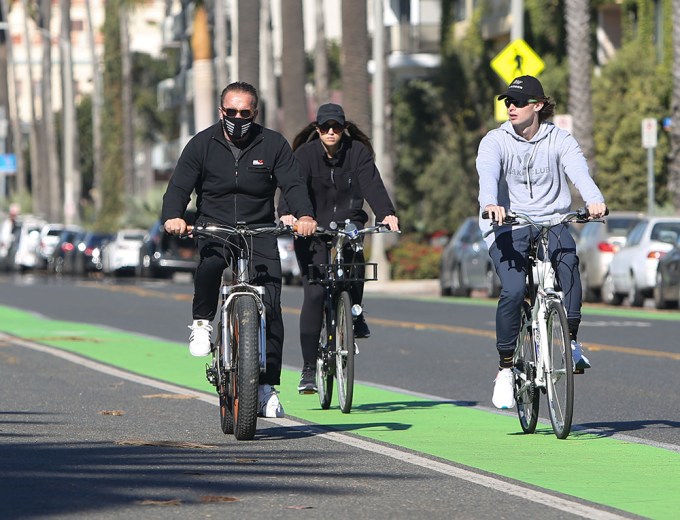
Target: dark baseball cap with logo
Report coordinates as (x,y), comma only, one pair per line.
(330,112)
(524,88)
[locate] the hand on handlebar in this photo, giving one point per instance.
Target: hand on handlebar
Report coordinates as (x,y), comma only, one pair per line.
(391,221)
(597,210)
(305,226)
(176,226)
(496,213)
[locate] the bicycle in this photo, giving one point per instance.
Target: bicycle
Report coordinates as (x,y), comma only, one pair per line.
(337,349)
(239,352)
(542,361)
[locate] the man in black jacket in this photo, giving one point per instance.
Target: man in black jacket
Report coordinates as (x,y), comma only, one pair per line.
(235,167)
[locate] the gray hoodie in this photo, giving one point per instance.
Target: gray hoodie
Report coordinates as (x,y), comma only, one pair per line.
(531,176)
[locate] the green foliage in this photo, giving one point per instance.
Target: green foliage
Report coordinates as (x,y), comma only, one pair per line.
(631,87)
(142,212)
(414,259)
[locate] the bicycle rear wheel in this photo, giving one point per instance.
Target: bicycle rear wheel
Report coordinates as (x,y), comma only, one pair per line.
(344,351)
(560,372)
(246,368)
(324,366)
(527,394)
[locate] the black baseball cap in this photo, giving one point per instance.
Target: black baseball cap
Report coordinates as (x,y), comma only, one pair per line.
(524,88)
(330,112)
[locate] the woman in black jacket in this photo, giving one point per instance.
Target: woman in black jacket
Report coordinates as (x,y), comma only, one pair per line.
(336,162)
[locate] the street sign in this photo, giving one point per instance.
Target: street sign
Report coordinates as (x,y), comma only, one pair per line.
(8,163)
(517,59)
(649,132)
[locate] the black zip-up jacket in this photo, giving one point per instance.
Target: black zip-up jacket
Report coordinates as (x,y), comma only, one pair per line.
(338,186)
(229,190)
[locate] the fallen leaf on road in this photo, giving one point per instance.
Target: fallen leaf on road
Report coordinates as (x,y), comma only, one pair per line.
(299,507)
(172,502)
(208,499)
(172,444)
(111,412)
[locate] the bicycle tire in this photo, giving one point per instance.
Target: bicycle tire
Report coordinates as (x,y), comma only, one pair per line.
(246,368)
(324,366)
(344,351)
(226,417)
(560,372)
(527,395)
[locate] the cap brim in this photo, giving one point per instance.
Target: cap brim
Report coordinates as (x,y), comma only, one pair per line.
(322,120)
(519,96)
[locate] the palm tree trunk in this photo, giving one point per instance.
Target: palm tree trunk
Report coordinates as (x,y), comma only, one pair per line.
(53,210)
(354,63)
(97,103)
(321,57)
(577,16)
(674,163)
(72,181)
(293,98)
(220,24)
(205,100)
(248,47)
(126,101)
(269,110)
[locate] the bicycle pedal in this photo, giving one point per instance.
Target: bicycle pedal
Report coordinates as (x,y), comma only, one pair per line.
(579,371)
(356,349)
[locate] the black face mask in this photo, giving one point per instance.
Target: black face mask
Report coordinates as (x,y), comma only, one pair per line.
(236,128)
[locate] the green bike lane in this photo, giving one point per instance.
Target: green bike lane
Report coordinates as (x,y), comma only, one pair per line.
(637,478)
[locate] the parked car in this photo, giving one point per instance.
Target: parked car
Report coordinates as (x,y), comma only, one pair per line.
(632,271)
(465,263)
(88,256)
(596,245)
(22,252)
(290,270)
(66,245)
(49,236)
(121,253)
(667,286)
(161,255)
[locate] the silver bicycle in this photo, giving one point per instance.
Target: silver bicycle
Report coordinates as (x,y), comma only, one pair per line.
(542,362)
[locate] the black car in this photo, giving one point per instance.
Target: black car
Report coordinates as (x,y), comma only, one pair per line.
(667,286)
(162,255)
(69,238)
(88,258)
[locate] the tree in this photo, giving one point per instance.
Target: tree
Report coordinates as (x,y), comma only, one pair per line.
(97,104)
(321,74)
(293,99)
(248,46)
(354,63)
(580,71)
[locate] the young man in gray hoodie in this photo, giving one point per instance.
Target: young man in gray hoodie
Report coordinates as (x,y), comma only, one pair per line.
(523,165)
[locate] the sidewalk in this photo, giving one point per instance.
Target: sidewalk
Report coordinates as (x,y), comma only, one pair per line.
(410,287)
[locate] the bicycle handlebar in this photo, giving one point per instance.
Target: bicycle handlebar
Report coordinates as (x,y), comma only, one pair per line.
(351,231)
(210,230)
(513,218)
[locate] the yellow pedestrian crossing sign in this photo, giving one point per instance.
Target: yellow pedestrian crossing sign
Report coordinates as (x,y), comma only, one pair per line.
(517,59)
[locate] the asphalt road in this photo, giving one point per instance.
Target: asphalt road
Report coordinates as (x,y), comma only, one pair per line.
(165,456)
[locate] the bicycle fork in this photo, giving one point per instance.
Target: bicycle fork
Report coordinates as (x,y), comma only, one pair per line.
(230,294)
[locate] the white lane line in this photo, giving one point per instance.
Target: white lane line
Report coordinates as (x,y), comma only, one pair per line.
(496,484)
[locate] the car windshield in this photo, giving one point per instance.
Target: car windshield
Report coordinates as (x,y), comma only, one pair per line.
(621,225)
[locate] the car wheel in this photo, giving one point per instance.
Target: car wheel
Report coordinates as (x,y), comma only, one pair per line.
(457,288)
(635,296)
(492,288)
(659,301)
(609,294)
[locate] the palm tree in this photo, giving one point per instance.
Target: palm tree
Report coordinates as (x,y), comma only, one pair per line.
(204,89)
(354,63)
(577,16)
(97,104)
(293,98)
(127,159)
(674,164)
(321,79)
(269,110)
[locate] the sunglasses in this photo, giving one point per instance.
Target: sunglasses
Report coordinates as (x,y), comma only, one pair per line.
(517,103)
(337,127)
(232,112)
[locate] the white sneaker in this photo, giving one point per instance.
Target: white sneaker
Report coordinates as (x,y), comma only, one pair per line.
(199,340)
(268,402)
(504,389)
(580,361)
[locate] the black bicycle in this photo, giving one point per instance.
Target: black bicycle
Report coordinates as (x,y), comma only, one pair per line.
(239,352)
(337,349)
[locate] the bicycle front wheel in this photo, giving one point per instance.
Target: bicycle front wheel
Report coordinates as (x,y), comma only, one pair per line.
(559,372)
(324,366)
(527,394)
(246,368)
(222,381)
(344,351)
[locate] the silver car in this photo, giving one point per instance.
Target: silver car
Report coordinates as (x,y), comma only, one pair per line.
(466,264)
(596,245)
(632,271)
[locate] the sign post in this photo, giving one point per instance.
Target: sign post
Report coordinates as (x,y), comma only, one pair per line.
(649,141)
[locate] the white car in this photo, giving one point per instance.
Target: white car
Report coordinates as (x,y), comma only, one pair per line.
(25,244)
(49,237)
(121,254)
(632,271)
